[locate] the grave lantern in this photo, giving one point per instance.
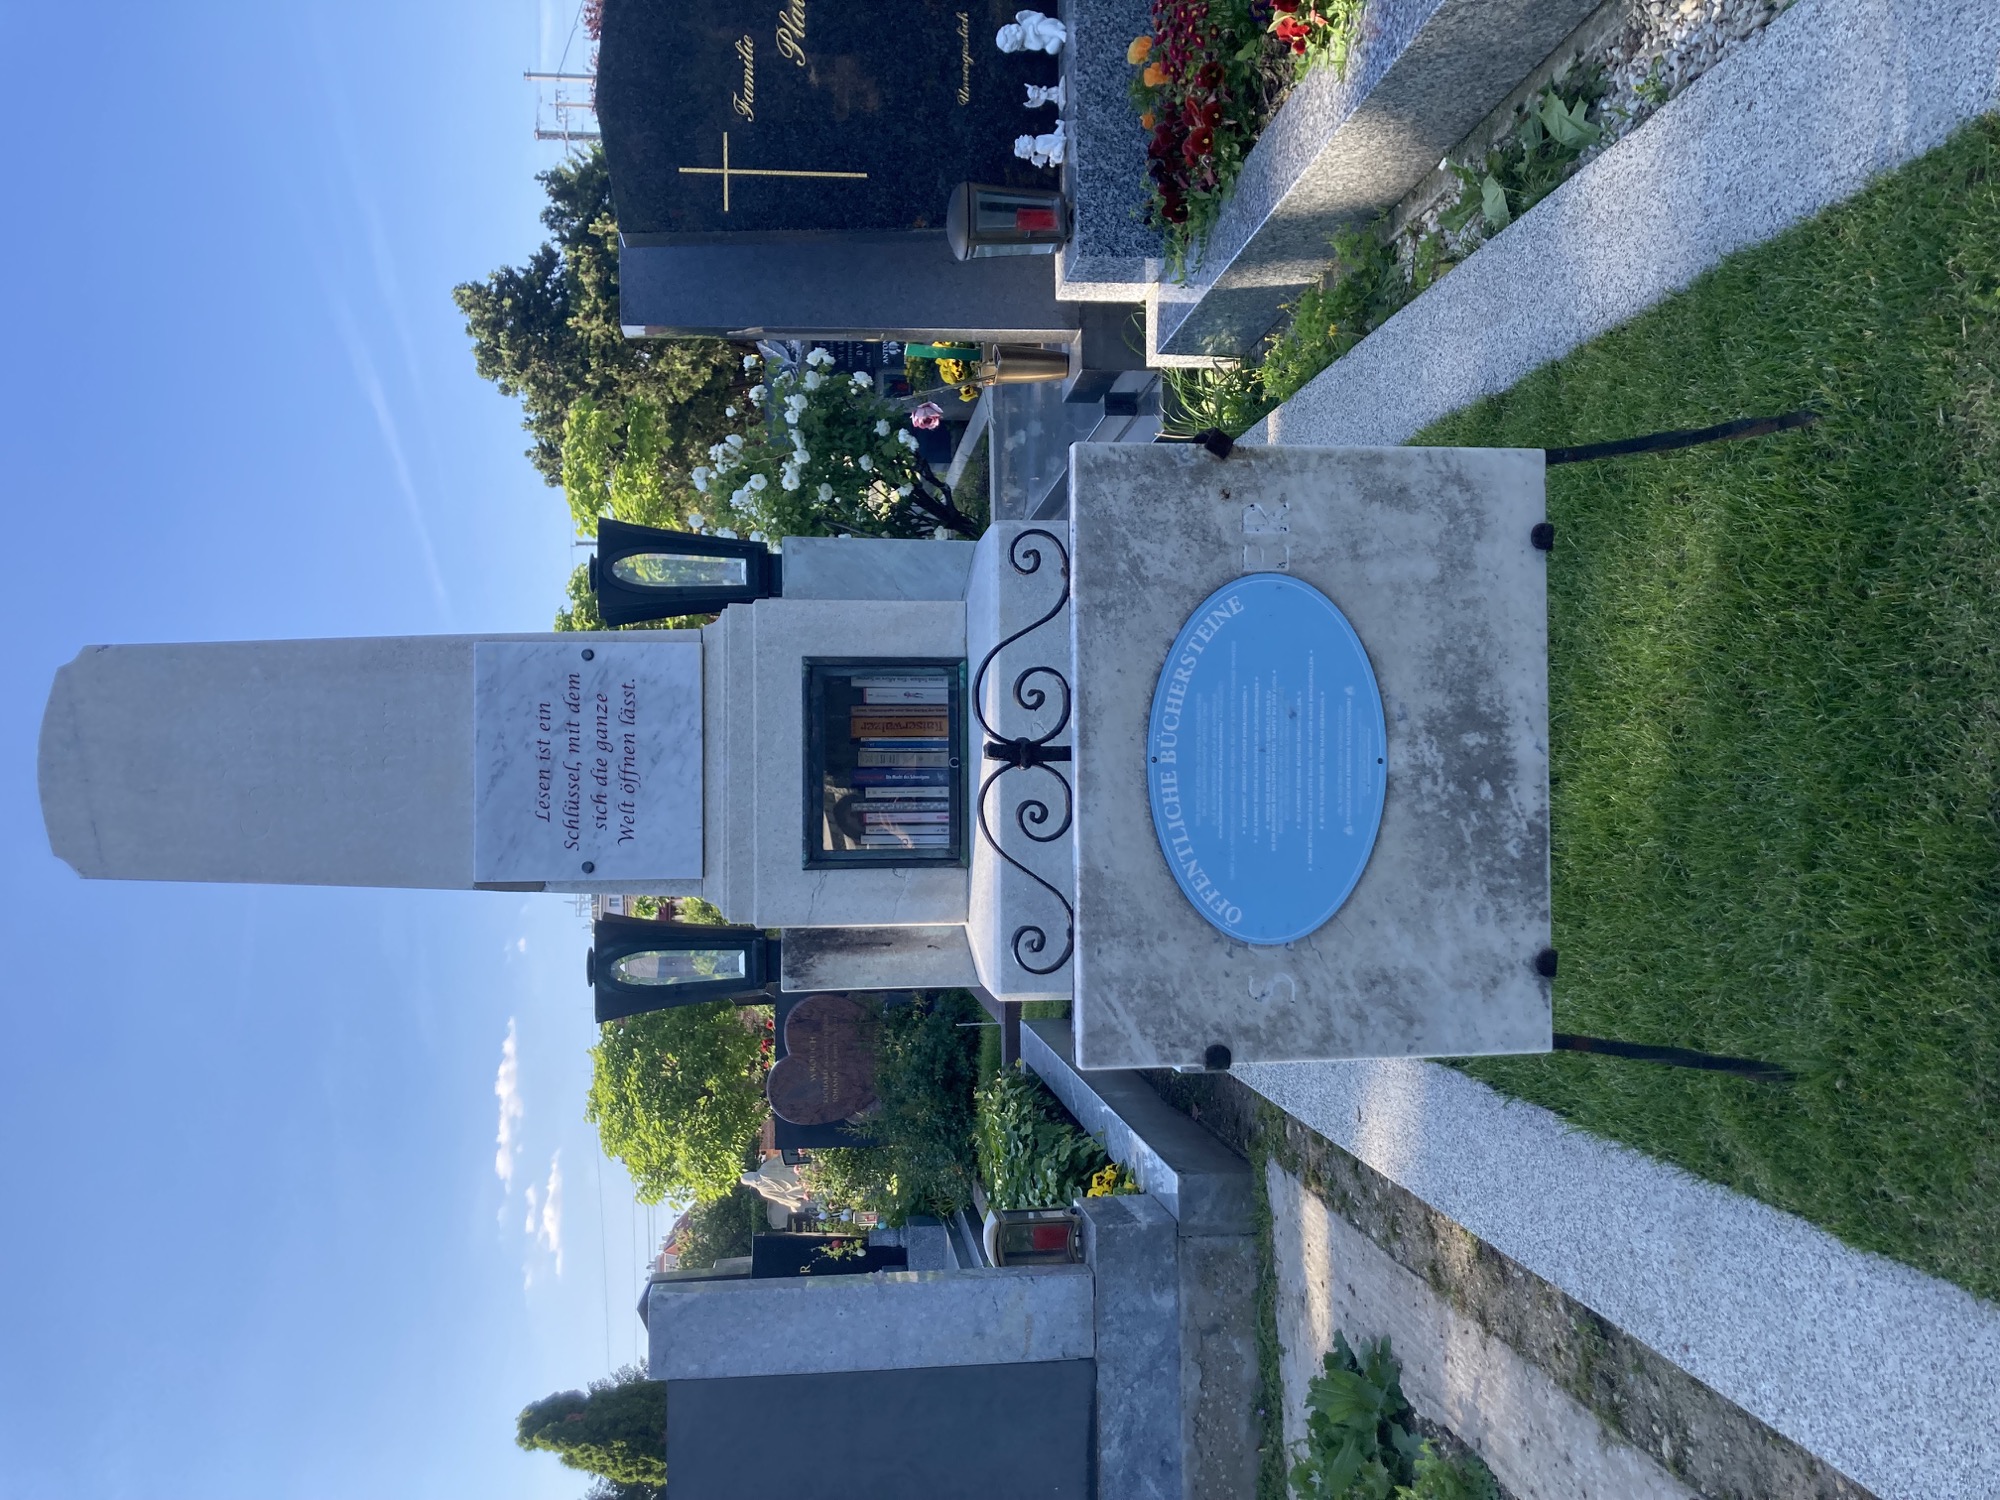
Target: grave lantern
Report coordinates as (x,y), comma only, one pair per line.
(642,573)
(982,220)
(637,966)
(1038,1237)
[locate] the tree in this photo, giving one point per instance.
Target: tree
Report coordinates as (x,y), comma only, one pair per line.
(678,1096)
(616,1430)
(722,1227)
(549,332)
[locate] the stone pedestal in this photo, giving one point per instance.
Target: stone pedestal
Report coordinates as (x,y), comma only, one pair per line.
(1428,554)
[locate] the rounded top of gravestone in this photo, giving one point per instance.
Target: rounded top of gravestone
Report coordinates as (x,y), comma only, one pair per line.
(1266,758)
(828,1071)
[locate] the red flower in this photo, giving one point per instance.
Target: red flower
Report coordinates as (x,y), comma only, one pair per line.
(1198,145)
(1210,76)
(1299,46)
(1211,114)
(1290,30)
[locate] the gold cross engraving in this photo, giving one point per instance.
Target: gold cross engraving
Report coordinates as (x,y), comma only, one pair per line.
(725,172)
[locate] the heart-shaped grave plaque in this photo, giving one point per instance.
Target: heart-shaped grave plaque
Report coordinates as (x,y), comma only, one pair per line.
(828,1071)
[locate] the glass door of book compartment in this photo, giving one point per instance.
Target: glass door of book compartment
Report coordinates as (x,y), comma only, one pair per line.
(885,763)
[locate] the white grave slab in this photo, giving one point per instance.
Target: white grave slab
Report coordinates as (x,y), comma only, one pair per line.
(587,761)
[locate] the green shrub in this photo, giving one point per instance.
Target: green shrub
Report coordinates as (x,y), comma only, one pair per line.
(926,1068)
(1230,397)
(1030,1155)
(720,1228)
(1358,1443)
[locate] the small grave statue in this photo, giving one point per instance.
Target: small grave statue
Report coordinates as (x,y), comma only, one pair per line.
(776,1182)
(1042,150)
(1038,96)
(1031,31)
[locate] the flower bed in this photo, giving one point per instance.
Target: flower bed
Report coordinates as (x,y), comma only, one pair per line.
(1211,75)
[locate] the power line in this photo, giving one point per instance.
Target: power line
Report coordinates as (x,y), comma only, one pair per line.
(603,1253)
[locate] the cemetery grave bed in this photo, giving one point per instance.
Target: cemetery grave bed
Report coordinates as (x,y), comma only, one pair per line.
(1640,1395)
(1774,691)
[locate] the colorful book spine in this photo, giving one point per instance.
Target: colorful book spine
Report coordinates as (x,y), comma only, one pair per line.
(939,796)
(867,776)
(865,727)
(885,682)
(889,742)
(899,800)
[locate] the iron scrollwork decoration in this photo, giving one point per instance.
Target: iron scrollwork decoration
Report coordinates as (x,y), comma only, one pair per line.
(1031,753)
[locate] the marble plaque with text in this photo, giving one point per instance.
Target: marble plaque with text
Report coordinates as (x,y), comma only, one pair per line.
(588,761)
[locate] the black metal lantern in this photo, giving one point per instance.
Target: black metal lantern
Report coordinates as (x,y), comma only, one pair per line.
(982,219)
(642,573)
(636,966)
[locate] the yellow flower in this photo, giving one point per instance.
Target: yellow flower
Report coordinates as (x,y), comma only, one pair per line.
(1138,51)
(1154,76)
(1146,121)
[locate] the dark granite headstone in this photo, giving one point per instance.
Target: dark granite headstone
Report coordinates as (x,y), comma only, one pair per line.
(809,115)
(828,1070)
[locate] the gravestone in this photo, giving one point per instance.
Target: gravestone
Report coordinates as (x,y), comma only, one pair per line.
(801,115)
(825,1073)
(784,170)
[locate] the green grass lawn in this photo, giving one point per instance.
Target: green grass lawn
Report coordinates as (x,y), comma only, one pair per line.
(1775,719)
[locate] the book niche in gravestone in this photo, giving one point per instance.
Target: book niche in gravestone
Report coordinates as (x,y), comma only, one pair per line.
(587,761)
(799,115)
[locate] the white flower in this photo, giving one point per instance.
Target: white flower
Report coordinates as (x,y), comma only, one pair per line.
(735,441)
(941,534)
(758,482)
(789,479)
(908,440)
(866,462)
(697,520)
(758,393)
(801,457)
(700,479)
(792,417)
(749,363)
(729,411)
(882,427)
(726,532)
(758,536)
(814,380)
(819,357)
(904,490)
(741,497)
(860,378)
(826,492)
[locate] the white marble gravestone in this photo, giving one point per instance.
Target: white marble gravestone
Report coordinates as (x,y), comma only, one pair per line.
(373,762)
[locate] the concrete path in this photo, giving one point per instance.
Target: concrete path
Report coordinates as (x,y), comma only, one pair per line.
(1831,94)
(1541,1442)
(1889,1375)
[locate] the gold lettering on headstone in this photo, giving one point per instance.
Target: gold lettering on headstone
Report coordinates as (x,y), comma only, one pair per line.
(745,102)
(792,31)
(964,59)
(726,171)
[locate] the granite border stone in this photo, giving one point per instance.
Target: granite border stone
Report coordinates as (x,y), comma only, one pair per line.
(1346,145)
(1831,94)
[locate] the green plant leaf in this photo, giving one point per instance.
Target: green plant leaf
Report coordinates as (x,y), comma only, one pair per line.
(1493,204)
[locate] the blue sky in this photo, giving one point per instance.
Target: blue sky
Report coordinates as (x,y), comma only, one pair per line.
(252,1236)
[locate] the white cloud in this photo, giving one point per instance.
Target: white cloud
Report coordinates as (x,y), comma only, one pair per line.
(507,1086)
(549,1232)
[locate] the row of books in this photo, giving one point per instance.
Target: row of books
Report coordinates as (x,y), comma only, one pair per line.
(902,759)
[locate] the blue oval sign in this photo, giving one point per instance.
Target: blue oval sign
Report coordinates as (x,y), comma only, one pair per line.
(1265,758)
